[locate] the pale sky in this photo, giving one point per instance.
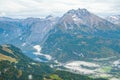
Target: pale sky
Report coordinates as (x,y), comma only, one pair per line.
(42,8)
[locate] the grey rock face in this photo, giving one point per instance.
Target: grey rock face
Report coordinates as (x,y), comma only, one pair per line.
(82,17)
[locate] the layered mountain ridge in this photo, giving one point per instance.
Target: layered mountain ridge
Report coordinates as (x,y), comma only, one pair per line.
(81,38)
(35,31)
(78,36)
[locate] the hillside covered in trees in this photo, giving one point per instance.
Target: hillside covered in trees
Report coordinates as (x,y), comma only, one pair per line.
(14,65)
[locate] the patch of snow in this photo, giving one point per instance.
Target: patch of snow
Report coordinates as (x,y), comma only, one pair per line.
(33,63)
(77,63)
(56,61)
(30,77)
(38,53)
(102,75)
(59,49)
(38,59)
(23,44)
(77,66)
(37,47)
(116,63)
(65,26)
(75,18)
(81,54)
(51,66)
(47,56)
(102,59)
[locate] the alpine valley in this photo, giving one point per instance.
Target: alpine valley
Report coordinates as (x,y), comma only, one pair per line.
(77,46)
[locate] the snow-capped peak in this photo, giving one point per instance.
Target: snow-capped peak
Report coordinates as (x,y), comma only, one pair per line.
(75,18)
(78,11)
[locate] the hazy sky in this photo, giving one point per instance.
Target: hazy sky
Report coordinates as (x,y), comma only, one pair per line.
(42,8)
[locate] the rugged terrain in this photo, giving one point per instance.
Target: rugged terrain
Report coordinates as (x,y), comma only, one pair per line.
(79,41)
(14,65)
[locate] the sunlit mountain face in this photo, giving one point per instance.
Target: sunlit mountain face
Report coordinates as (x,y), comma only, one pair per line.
(84,43)
(79,42)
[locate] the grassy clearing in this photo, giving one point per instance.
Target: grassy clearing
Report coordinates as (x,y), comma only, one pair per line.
(55,77)
(4,57)
(106,69)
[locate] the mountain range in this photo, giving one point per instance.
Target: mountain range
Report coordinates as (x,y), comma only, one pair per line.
(76,39)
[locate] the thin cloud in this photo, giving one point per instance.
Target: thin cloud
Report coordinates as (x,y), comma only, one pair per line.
(42,8)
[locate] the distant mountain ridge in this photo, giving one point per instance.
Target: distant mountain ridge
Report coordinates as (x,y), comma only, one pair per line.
(76,39)
(80,38)
(76,26)
(114,19)
(26,33)
(82,17)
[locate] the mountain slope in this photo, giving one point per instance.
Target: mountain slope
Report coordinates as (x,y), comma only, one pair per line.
(65,46)
(73,41)
(25,33)
(89,36)
(16,66)
(30,30)
(84,21)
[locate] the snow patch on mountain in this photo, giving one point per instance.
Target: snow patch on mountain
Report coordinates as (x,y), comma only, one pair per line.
(78,66)
(117,63)
(38,59)
(38,48)
(75,18)
(38,53)
(79,54)
(23,44)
